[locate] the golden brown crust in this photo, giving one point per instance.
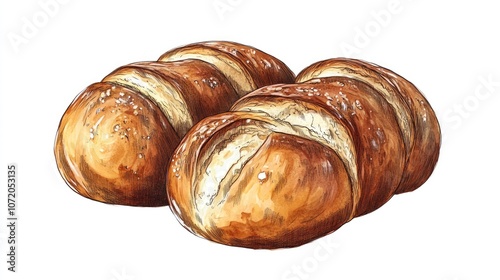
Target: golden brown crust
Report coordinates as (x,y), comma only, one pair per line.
(194,89)
(178,93)
(356,69)
(253,177)
(246,67)
(378,144)
(247,178)
(275,200)
(292,161)
(424,153)
(112,144)
(263,68)
(418,122)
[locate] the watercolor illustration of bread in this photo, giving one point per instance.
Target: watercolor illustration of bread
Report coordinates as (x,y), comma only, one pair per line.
(115,140)
(290,163)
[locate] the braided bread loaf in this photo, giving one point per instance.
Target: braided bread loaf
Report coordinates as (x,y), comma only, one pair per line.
(293,162)
(114,141)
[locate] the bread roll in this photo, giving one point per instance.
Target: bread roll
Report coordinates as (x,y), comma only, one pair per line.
(115,139)
(247,68)
(293,162)
(418,122)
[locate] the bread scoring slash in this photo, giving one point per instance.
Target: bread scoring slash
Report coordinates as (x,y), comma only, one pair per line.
(115,140)
(291,163)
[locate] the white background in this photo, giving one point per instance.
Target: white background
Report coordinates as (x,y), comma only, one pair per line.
(446,230)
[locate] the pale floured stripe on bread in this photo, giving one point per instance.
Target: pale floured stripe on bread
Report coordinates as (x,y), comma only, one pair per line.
(355,70)
(219,165)
(237,75)
(312,122)
(160,91)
